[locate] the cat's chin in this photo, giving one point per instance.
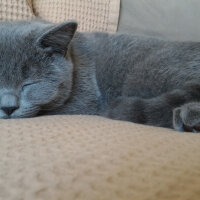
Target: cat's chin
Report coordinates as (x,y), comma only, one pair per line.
(19,117)
(27,112)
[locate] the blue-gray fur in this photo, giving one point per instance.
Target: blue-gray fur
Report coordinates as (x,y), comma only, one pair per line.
(49,69)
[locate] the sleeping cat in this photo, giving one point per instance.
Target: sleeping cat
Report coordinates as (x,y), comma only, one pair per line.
(49,69)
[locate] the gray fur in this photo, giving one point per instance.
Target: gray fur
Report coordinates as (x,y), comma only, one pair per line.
(49,69)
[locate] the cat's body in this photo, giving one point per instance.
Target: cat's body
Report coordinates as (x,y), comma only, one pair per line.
(125,77)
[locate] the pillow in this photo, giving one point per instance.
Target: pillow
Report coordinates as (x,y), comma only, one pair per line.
(15,10)
(98,15)
(172,19)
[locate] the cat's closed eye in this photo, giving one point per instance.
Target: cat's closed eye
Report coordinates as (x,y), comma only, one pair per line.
(25,85)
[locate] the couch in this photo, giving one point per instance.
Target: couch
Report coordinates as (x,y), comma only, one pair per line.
(94,158)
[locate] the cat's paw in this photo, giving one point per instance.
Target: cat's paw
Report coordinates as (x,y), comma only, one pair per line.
(187,118)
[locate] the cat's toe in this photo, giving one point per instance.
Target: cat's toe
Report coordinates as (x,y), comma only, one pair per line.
(187,118)
(194,129)
(177,121)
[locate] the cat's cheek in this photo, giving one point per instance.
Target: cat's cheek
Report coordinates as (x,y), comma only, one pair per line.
(39,95)
(26,110)
(3,115)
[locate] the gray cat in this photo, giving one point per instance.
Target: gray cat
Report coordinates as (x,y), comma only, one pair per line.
(49,69)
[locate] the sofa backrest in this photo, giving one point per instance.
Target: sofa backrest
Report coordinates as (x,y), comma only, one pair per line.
(167,19)
(92,15)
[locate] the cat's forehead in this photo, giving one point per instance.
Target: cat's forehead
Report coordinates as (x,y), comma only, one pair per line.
(19,33)
(17,41)
(13,51)
(12,39)
(16,51)
(21,27)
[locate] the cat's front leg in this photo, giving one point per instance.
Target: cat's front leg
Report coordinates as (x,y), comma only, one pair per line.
(126,109)
(187,117)
(166,110)
(144,111)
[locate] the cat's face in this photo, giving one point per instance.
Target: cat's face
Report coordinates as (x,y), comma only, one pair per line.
(34,75)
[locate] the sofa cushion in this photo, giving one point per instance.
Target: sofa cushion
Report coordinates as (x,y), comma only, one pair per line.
(89,157)
(15,10)
(98,15)
(171,19)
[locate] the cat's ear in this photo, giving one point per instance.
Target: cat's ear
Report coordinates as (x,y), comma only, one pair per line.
(58,38)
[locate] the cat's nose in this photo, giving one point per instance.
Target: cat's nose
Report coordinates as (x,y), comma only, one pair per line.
(9,103)
(9,110)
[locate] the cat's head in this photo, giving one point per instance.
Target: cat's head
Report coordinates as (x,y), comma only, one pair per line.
(34,74)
